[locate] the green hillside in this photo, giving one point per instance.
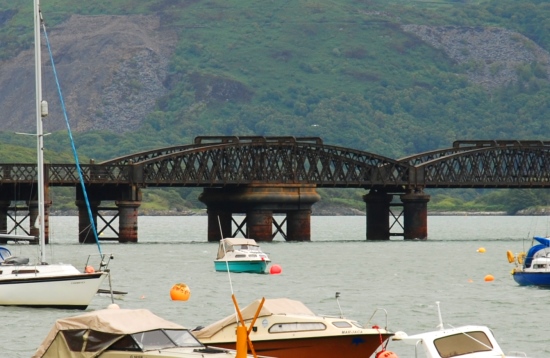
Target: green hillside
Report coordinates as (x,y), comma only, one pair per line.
(341,70)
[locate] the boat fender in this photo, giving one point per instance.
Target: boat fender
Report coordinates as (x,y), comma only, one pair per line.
(386,354)
(510,256)
(521,258)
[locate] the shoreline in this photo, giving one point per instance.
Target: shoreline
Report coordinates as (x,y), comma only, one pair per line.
(348,212)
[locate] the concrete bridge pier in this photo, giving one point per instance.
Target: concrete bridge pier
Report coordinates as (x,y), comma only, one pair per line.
(259,224)
(128,220)
(258,202)
(85,233)
(378,214)
(415,215)
(219,220)
(298,225)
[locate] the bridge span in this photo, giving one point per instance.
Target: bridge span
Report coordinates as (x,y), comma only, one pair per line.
(263,176)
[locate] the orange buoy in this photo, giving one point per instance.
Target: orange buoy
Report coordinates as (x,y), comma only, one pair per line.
(386,354)
(89,269)
(481,250)
(275,269)
(180,292)
(489,278)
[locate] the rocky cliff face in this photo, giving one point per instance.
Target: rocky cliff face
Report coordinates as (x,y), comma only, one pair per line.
(491,56)
(111,71)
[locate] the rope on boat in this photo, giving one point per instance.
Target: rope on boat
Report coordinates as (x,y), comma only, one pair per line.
(75,154)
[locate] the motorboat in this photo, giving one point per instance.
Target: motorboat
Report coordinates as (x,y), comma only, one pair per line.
(464,341)
(124,333)
(532,268)
(40,284)
(286,328)
(240,255)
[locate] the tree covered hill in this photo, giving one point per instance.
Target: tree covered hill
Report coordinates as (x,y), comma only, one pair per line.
(392,77)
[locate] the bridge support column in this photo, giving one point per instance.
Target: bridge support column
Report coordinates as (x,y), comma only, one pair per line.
(259,202)
(128,220)
(33,217)
(298,225)
(218,220)
(378,214)
(415,212)
(259,224)
(4,206)
(85,232)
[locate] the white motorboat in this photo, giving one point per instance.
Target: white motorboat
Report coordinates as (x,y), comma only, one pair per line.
(468,341)
(124,333)
(240,255)
(40,284)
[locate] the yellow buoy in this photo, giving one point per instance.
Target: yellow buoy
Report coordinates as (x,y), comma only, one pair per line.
(180,292)
(489,278)
(481,250)
(510,256)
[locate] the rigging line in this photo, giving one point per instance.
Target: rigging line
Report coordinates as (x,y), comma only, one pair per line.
(75,154)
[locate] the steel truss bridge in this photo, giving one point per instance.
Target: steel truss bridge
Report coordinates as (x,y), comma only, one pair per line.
(233,162)
(229,161)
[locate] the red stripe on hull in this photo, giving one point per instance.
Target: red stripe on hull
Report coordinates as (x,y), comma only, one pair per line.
(352,346)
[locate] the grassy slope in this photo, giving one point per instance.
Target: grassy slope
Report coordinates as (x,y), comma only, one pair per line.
(342,70)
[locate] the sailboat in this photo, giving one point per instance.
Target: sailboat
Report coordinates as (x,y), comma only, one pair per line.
(40,284)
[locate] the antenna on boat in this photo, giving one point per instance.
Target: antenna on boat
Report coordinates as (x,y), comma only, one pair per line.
(336,296)
(440,325)
(225,255)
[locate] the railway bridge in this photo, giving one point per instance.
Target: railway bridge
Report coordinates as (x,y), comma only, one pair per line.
(263,176)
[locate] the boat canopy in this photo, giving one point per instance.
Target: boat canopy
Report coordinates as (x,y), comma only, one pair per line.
(543,240)
(270,307)
(233,243)
(94,332)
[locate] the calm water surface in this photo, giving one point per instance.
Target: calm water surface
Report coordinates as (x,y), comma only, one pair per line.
(403,278)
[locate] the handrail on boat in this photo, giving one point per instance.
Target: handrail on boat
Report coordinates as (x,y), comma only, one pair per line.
(385,314)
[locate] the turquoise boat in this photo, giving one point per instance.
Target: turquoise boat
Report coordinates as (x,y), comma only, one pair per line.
(241,255)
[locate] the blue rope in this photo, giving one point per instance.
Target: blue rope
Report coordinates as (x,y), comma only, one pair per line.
(90,216)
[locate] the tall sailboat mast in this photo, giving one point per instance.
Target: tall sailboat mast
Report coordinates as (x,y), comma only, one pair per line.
(39,130)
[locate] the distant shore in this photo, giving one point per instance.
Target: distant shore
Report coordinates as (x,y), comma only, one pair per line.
(325,212)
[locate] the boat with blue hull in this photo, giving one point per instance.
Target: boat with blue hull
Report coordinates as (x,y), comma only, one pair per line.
(532,268)
(240,255)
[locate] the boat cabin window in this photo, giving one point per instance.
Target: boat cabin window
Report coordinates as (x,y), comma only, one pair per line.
(19,272)
(539,266)
(297,327)
(126,343)
(84,340)
(463,343)
(342,324)
(159,339)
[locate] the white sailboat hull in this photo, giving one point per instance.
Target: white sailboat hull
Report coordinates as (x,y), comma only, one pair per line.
(55,286)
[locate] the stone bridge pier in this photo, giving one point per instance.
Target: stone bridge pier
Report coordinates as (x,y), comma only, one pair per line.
(414,210)
(127,201)
(258,202)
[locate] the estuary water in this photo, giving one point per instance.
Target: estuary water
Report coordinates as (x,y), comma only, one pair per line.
(403,278)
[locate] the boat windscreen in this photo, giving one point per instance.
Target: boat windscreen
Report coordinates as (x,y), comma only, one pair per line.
(160,339)
(463,343)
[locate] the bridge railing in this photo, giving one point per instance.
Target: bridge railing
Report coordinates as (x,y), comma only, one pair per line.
(67,174)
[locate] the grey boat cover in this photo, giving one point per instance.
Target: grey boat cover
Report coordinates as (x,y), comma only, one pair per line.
(227,244)
(116,321)
(271,306)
